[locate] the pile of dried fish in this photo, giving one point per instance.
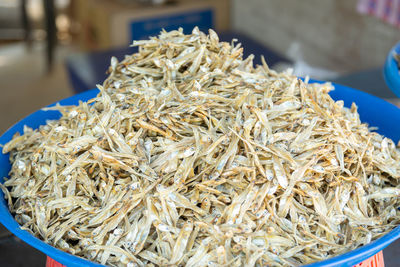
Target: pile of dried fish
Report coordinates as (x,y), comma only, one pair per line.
(190,155)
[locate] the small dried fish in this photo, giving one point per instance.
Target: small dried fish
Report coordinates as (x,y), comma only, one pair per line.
(190,155)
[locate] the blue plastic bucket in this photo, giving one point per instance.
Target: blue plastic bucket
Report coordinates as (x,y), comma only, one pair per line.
(391,70)
(373,110)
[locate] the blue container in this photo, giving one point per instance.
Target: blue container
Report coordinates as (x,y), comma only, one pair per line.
(391,70)
(373,110)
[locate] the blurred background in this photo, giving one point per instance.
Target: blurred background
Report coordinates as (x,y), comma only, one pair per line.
(50,50)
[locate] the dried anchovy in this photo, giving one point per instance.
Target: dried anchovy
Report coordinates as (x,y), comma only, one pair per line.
(190,155)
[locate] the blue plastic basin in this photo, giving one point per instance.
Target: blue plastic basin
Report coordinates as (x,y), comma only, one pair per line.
(373,110)
(391,70)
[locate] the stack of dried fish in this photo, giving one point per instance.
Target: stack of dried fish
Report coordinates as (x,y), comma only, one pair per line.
(190,155)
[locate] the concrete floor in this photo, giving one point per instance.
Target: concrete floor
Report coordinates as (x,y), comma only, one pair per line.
(25,84)
(26,87)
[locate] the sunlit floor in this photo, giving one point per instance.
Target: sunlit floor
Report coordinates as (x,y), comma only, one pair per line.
(25,84)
